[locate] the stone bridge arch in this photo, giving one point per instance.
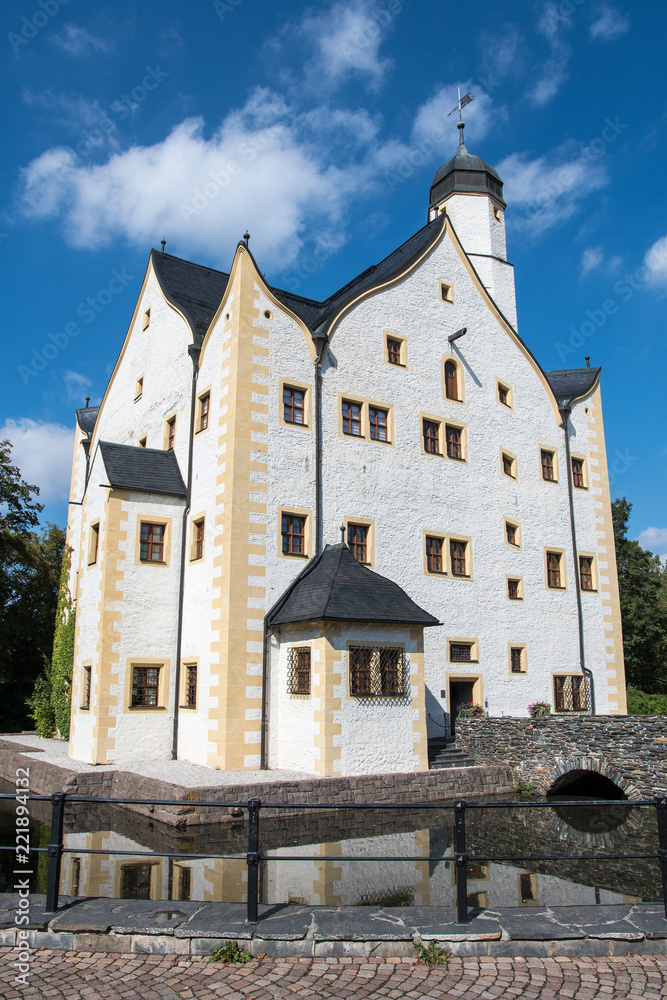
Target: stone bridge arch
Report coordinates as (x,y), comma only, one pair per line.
(577,772)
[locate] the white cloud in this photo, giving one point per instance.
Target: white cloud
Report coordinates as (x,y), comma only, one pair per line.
(73,113)
(609,25)
(78,41)
(593,259)
(43,453)
(434,123)
(347,38)
(266,167)
(500,54)
(547,190)
(76,386)
(655,540)
(551,73)
(655,260)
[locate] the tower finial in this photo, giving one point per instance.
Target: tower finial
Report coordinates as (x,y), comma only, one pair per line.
(342,534)
(163,244)
(460,104)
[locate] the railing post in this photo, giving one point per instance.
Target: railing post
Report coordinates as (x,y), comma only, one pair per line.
(661,809)
(55,851)
(461,862)
(252,860)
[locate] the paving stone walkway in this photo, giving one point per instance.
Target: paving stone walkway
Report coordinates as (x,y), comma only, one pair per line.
(83,976)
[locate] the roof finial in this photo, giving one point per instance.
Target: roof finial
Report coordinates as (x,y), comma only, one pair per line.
(87,401)
(246,237)
(460,104)
(342,534)
(163,244)
(588,361)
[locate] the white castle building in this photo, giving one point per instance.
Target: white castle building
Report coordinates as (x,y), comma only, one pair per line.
(220,617)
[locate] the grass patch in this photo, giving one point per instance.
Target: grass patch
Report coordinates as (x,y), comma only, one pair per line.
(524,790)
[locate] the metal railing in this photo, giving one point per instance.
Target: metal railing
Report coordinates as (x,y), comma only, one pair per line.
(252,856)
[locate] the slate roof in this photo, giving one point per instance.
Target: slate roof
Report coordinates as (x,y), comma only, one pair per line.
(335,587)
(148,470)
(197,290)
(569,384)
(86,417)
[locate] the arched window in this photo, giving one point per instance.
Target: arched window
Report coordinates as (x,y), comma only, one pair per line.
(451,381)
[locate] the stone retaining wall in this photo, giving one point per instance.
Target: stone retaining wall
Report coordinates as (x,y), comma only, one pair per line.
(630,750)
(413,787)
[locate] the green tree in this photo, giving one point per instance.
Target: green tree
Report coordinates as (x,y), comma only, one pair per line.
(642,581)
(29,574)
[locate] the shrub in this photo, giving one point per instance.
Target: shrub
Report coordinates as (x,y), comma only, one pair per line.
(641,703)
(538,709)
(469,710)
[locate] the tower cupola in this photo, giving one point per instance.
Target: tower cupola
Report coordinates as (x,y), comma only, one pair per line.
(465,173)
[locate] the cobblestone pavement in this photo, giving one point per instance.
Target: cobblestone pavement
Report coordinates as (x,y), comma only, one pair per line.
(82,976)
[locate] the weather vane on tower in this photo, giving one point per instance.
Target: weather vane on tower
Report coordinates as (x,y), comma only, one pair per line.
(460,104)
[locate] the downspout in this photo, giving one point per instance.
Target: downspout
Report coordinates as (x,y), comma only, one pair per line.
(320,344)
(193,351)
(565,412)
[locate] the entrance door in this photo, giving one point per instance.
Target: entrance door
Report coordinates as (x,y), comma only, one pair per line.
(459,693)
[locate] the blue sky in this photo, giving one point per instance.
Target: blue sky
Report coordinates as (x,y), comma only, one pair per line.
(319,128)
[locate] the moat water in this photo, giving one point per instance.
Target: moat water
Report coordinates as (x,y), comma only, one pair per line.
(322,876)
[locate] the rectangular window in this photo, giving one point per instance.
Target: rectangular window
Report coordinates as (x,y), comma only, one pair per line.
(182,882)
(94,545)
(554,576)
(586,572)
(171,433)
(75,878)
(457,554)
(85,693)
(293,535)
(139,389)
(299,670)
(528,889)
(504,395)
(198,532)
(461,652)
(191,685)
(517,660)
(147,319)
(294,405)
(570,693)
(431,432)
(142,441)
(509,465)
(548,466)
(512,533)
(377,421)
(446,291)
(357,541)
(135,881)
(145,686)
(204,408)
(377,672)
(433,554)
(152,539)
(514,591)
(454,437)
(578,473)
(393,351)
(351,418)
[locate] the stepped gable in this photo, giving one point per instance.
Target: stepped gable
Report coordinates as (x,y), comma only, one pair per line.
(335,587)
(146,470)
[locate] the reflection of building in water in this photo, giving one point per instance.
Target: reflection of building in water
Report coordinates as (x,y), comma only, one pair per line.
(325,881)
